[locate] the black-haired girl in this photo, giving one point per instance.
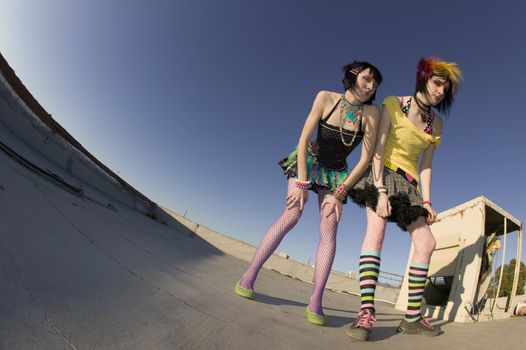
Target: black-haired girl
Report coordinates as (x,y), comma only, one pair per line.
(342,122)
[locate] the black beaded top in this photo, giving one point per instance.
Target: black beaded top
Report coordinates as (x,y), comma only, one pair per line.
(332,153)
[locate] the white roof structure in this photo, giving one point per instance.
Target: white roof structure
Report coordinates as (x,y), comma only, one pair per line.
(463,235)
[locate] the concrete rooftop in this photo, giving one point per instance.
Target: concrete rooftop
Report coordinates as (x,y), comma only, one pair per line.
(76,274)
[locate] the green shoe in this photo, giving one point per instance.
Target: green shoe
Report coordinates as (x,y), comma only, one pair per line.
(244,292)
(314,318)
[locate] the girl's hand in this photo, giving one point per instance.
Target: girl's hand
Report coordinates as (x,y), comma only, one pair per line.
(383,208)
(431,217)
(333,206)
(296,196)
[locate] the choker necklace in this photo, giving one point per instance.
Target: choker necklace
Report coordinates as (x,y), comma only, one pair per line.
(352,104)
(425,111)
(349,116)
(422,106)
(425,114)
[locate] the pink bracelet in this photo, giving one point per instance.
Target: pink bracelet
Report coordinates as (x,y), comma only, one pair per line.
(427,202)
(340,193)
(304,185)
(342,190)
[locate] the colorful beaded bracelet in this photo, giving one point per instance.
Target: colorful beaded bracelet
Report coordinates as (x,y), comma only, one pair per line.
(304,185)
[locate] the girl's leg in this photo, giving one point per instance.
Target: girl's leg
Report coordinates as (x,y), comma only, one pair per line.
(324,255)
(369,270)
(370,258)
(424,244)
(270,241)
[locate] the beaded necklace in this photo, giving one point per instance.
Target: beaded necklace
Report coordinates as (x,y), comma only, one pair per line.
(425,113)
(348,116)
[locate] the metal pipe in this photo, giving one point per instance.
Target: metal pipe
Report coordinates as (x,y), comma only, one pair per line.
(503,262)
(517,267)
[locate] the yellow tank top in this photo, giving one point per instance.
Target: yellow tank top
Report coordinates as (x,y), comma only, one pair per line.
(405,142)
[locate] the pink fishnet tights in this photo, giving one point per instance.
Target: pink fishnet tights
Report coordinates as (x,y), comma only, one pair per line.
(324,256)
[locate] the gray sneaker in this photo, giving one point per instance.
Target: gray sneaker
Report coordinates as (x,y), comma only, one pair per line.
(420,327)
(361,327)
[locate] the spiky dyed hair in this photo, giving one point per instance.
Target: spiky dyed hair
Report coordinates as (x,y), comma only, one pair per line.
(433,66)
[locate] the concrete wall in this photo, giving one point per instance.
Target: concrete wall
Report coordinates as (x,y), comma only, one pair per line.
(22,130)
(337,281)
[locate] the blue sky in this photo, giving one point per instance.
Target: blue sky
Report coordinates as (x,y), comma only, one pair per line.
(194,102)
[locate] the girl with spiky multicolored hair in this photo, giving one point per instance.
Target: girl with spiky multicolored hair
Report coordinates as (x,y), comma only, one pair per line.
(410,129)
(342,122)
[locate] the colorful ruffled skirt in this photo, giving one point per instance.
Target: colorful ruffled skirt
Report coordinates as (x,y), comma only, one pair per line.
(405,199)
(319,176)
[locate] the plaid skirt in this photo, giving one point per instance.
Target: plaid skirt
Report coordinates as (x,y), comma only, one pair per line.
(406,201)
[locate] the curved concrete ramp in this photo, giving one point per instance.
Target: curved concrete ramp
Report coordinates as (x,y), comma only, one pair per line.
(76,274)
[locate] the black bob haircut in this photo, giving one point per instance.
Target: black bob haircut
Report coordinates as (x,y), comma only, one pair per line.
(351,72)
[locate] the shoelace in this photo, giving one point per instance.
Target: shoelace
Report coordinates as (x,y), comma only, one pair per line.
(424,322)
(366,319)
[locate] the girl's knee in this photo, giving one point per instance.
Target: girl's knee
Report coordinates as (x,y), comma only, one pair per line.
(425,245)
(328,217)
(375,232)
(292,215)
(431,244)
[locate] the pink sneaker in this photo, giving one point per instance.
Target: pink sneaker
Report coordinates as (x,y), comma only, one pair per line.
(361,327)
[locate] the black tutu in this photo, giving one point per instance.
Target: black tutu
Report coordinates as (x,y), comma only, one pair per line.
(405,200)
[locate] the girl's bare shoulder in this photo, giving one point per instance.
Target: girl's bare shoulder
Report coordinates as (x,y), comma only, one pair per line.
(372,111)
(328,96)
